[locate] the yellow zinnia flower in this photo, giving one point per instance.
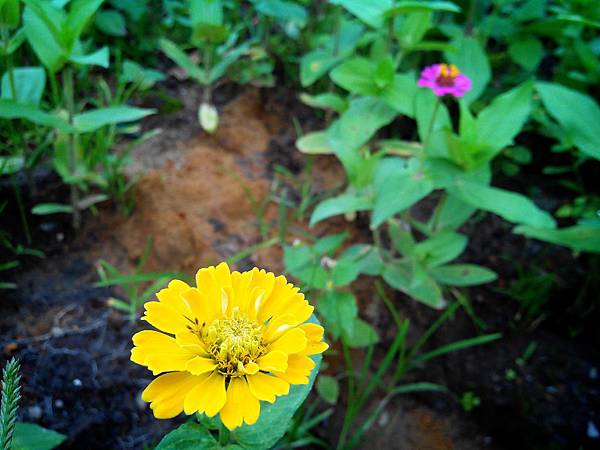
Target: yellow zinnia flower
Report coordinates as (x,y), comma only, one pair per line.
(235,339)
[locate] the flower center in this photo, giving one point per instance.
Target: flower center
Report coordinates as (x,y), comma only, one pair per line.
(447,74)
(235,343)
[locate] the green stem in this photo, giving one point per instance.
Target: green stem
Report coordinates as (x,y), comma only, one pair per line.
(207,94)
(436,107)
(224,435)
(9,67)
(69,98)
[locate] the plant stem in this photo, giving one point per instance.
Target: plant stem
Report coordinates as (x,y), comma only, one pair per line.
(206,61)
(9,67)
(223,435)
(436,107)
(69,98)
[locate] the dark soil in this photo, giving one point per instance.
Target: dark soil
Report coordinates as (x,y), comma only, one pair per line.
(195,202)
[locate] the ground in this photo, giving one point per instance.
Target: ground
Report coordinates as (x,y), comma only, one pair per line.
(199,200)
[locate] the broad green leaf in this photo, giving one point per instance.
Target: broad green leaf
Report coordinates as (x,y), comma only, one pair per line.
(384,72)
(327,100)
(314,143)
(462,275)
(285,11)
(411,6)
(181,59)
(451,214)
(189,436)
(339,309)
(328,388)
(584,237)
(134,73)
(493,131)
(111,22)
(29,84)
(45,39)
(527,52)
(470,58)
(400,94)
(399,184)
(401,237)
(275,418)
(29,436)
(411,29)
(441,248)
(9,109)
(344,272)
(357,75)
(342,204)
(207,22)
(98,58)
(577,113)
(509,205)
(51,208)
(226,60)
(363,335)
(353,129)
(329,244)
(315,64)
(415,282)
(11,164)
(97,118)
(371,12)
(80,13)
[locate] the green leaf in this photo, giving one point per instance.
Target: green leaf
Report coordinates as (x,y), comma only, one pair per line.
(275,418)
(470,58)
(80,13)
(134,73)
(9,13)
(339,309)
(285,11)
(357,75)
(189,436)
(509,205)
(400,94)
(9,109)
(97,118)
(29,436)
(51,208)
(329,244)
(493,131)
(411,29)
(577,113)
(314,143)
(181,59)
(111,22)
(207,22)
(584,237)
(527,52)
(411,6)
(325,101)
(98,58)
(371,12)
(451,214)
(29,84)
(42,25)
(384,72)
(315,64)
(11,164)
(342,204)
(399,184)
(441,248)
(328,389)
(363,335)
(415,282)
(462,274)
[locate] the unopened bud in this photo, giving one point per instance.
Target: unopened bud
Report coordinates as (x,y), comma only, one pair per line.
(208,117)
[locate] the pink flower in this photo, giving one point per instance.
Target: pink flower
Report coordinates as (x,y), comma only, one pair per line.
(445,79)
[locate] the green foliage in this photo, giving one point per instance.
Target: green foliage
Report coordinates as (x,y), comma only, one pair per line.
(11,394)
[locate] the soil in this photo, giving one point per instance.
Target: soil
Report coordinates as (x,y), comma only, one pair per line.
(199,201)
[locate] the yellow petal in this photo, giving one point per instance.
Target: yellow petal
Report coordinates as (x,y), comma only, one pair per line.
(190,341)
(166,393)
(241,405)
(159,352)
(251,368)
(199,365)
(165,317)
(210,283)
(203,308)
(265,387)
(278,325)
(292,341)
(314,348)
(274,361)
(298,371)
(208,397)
(314,334)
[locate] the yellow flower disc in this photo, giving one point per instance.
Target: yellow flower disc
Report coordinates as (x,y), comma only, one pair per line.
(225,345)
